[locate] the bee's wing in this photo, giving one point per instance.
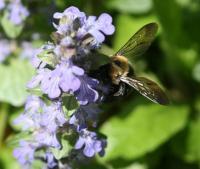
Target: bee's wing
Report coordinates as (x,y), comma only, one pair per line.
(147,88)
(140,41)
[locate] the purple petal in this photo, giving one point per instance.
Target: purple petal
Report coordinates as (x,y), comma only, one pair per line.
(97,34)
(69,83)
(42,73)
(57,15)
(74,11)
(50,83)
(47,139)
(25,153)
(91,20)
(86,93)
(105,24)
(77,70)
(89,151)
(54,90)
(97,146)
(73,120)
(79,144)
(50,160)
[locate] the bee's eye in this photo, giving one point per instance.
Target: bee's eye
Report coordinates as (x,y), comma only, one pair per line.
(117,62)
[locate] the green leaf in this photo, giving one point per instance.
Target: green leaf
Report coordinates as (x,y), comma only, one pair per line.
(179,35)
(193,142)
(63,152)
(7,160)
(70,104)
(196,72)
(136,165)
(141,129)
(131,6)
(187,144)
(170,16)
(14,77)
(10,29)
(38,164)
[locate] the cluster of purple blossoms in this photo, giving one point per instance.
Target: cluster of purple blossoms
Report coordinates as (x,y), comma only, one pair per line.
(17,12)
(61,74)
(43,121)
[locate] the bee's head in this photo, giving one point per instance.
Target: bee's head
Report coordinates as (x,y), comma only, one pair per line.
(120,67)
(121,62)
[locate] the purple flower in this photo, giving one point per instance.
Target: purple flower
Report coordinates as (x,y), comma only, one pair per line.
(89,142)
(64,76)
(104,24)
(29,119)
(85,115)
(25,152)
(35,81)
(62,68)
(2,4)
(33,104)
(50,120)
(53,117)
(43,120)
(99,27)
(51,162)
(77,34)
(46,139)
(5,49)
(70,81)
(17,12)
(50,83)
(67,20)
(71,13)
(86,93)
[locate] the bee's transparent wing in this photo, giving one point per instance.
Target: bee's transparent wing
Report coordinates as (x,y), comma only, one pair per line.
(140,41)
(147,88)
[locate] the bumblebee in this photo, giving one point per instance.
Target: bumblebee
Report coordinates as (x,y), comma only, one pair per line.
(118,75)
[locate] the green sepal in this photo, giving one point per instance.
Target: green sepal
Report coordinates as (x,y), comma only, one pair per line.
(48,57)
(65,149)
(70,104)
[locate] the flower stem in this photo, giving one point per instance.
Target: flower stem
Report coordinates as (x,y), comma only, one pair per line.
(3,121)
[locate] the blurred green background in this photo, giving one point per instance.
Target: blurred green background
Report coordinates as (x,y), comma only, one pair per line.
(141,134)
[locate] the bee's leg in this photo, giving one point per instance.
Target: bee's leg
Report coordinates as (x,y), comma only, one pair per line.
(121,90)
